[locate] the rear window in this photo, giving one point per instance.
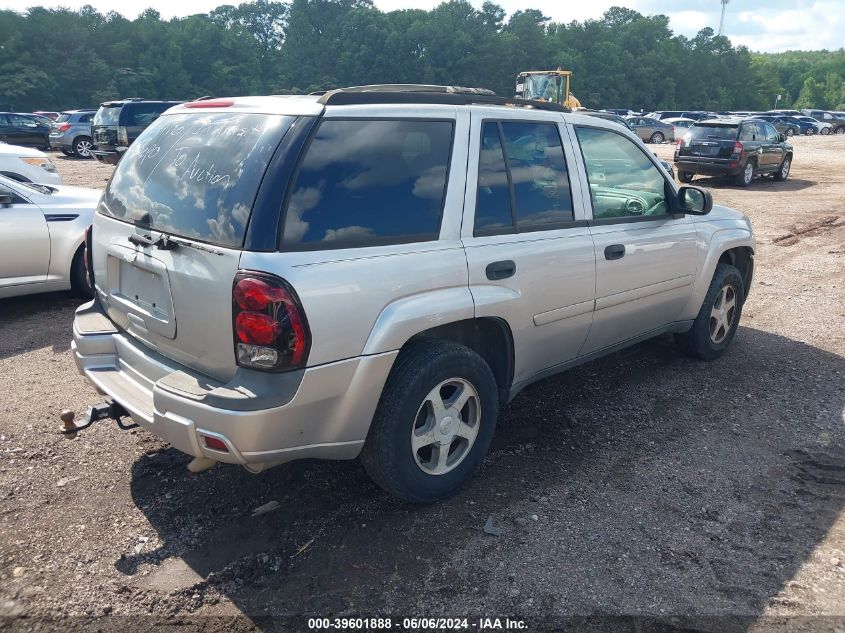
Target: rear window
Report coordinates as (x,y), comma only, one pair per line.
(107,115)
(195,175)
(369,182)
(718,132)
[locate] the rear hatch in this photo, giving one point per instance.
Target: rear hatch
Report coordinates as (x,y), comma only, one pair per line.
(710,140)
(191,178)
(104,126)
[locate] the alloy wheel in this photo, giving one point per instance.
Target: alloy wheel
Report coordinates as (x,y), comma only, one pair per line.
(748,174)
(83,148)
(784,169)
(446,426)
(722,314)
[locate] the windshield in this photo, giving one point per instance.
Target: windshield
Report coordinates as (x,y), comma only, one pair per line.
(542,87)
(107,115)
(195,175)
(720,132)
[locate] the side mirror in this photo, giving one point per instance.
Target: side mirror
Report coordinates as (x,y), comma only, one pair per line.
(694,200)
(5,200)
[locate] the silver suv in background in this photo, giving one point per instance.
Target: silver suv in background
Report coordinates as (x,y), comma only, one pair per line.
(70,133)
(375,271)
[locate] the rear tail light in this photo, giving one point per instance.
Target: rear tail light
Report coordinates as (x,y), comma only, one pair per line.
(64,127)
(122,135)
(679,143)
(738,147)
(268,322)
(86,255)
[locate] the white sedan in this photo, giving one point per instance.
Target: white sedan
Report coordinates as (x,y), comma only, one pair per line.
(42,237)
(27,165)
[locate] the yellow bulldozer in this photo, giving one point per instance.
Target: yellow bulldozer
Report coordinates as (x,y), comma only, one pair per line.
(547,85)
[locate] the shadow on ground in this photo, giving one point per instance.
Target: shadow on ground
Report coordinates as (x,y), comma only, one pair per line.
(642,483)
(35,321)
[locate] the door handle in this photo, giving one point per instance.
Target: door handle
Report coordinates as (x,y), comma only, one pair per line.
(501,270)
(614,251)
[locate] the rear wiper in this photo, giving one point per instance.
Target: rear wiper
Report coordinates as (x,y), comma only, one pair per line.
(168,243)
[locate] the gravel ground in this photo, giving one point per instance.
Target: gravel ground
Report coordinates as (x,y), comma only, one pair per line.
(670,492)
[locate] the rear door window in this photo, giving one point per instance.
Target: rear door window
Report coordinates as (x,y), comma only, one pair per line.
(142,114)
(86,118)
(195,175)
(366,182)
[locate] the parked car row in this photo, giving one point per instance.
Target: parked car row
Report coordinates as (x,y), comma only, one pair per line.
(103,133)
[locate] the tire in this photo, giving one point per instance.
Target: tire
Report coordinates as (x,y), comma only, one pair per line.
(709,337)
(790,131)
(783,171)
(744,177)
(79,283)
(840,130)
(685,176)
(66,152)
(810,131)
(82,147)
(825,131)
(404,412)
(657,137)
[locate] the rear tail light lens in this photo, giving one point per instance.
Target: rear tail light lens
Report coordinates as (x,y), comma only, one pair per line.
(269,325)
(64,127)
(738,147)
(122,135)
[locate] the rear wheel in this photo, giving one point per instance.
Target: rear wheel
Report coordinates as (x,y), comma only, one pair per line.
(82,147)
(434,422)
(783,171)
(840,130)
(715,326)
(685,176)
(657,137)
(790,131)
(744,178)
(824,131)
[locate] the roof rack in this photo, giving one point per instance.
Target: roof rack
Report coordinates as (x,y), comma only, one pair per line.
(427,94)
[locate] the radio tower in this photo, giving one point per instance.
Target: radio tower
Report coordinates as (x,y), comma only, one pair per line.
(722,21)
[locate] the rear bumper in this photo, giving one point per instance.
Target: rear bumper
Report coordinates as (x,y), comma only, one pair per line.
(709,167)
(263,419)
(108,156)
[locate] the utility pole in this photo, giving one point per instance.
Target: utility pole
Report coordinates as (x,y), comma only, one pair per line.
(722,21)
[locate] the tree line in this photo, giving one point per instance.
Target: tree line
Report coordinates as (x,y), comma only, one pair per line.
(52,59)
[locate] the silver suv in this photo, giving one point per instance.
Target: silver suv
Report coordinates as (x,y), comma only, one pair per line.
(374,272)
(71,133)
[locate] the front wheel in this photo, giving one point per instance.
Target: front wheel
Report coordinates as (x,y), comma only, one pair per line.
(434,421)
(657,137)
(825,131)
(783,171)
(715,326)
(810,131)
(790,132)
(840,130)
(79,280)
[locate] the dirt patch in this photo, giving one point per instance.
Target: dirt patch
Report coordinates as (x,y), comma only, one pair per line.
(643,484)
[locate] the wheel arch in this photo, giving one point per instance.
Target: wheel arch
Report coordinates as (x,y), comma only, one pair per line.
(490,337)
(734,246)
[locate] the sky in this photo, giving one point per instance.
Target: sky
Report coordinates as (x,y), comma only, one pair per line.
(761,25)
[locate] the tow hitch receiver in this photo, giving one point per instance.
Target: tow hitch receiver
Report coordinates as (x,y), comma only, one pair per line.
(110,410)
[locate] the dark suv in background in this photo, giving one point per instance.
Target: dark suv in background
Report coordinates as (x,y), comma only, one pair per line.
(118,123)
(742,148)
